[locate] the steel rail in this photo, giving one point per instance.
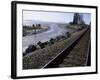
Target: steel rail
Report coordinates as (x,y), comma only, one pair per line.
(58,58)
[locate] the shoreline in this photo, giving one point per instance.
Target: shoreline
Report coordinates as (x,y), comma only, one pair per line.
(37,32)
(45,32)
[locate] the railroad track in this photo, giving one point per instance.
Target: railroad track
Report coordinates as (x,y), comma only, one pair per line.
(70,56)
(55,55)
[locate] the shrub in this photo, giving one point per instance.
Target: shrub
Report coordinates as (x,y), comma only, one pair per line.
(68,34)
(63,37)
(52,41)
(24,53)
(42,45)
(31,48)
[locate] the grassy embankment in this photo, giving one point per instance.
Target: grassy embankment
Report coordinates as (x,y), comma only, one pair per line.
(39,58)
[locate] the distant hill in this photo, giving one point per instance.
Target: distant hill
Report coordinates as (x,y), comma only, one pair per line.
(31,22)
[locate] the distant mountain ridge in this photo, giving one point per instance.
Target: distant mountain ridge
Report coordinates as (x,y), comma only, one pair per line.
(31,22)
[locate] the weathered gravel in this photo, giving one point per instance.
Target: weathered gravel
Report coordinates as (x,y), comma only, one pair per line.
(39,58)
(78,55)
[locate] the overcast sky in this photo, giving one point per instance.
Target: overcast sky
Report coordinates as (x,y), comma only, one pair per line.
(60,17)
